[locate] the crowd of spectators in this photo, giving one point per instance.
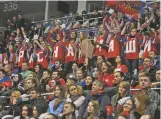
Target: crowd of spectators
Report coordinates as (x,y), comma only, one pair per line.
(65,70)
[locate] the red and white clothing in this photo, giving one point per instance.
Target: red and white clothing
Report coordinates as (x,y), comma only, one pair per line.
(21,56)
(10,60)
(98,49)
(58,52)
(132,47)
(70,53)
(108,79)
(113,47)
(121,68)
(148,45)
(31,62)
(42,57)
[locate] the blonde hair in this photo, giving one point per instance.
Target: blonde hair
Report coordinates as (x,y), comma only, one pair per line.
(125,84)
(79,89)
(17,94)
(96,109)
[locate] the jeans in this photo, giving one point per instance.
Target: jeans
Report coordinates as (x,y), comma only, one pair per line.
(131,64)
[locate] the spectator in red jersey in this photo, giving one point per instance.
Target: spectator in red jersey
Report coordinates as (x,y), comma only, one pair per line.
(120,65)
(42,54)
(70,52)
(131,50)
(106,75)
(100,44)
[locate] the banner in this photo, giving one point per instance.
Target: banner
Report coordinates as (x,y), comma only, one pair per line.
(126,7)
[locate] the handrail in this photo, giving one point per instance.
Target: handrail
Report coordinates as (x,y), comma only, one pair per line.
(133,89)
(70,16)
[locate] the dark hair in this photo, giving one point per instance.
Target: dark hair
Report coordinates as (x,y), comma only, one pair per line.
(103,57)
(149,58)
(71,104)
(146,9)
(54,117)
(36,90)
(148,75)
(110,68)
(48,71)
(121,73)
(3,71)
(95,9)
(84,12)
(28,110)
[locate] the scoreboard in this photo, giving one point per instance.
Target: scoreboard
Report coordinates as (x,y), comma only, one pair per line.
(29,9)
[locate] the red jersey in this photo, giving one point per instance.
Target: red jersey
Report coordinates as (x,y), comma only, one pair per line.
(21,57)
(31,62)
(70,52)
(42,57)
(113,47)
(148,45)
(132,48)
(121,68)
(58,52)
(107,79)
(99,50)
(10,60)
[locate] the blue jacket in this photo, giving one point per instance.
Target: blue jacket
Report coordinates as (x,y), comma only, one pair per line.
(56,111)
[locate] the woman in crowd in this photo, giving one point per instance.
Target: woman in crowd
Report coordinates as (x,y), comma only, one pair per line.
(56,105)
(87,66)
(126,106)
(35,112)
(88,83)
(120,64)
(39,70)
(140,101)
(75,95)
(123,91)
(92,110)
(24,113)
(106,74)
